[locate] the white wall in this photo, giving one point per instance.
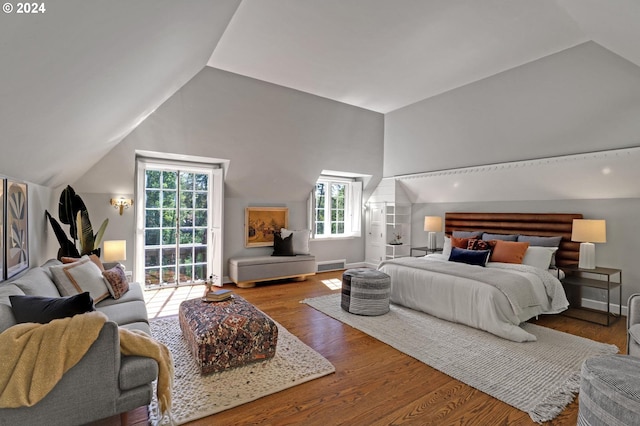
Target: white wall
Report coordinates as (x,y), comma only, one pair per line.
(620,251)
(277,139)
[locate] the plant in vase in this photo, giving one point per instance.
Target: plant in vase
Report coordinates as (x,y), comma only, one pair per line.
(73,212)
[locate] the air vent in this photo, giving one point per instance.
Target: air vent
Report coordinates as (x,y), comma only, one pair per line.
(332,265)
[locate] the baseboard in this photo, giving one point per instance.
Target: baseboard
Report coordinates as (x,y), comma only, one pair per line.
(356,265)
(602,306)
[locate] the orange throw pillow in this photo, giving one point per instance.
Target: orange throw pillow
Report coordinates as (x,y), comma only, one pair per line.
(460,242)
(509,251)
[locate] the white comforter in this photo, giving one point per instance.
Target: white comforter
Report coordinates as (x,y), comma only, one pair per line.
(471,302)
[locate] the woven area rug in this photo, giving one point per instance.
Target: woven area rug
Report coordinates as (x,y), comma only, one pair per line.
(540,378)
(196,396)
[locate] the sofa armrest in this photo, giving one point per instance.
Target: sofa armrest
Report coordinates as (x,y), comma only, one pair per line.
(633,318)
(87,392)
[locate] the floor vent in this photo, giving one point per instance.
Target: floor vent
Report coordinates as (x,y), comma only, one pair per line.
(332,265)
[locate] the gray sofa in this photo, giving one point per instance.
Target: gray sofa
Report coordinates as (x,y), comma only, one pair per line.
(104,383)
(633,325)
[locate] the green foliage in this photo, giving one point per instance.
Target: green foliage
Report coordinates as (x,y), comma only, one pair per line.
(73,212)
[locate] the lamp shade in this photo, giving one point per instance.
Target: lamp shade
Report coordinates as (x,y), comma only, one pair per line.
(589,231)
(432,223)
(115,251)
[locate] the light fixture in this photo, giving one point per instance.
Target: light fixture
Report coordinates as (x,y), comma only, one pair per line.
(432,224)
(121,203)
(587,232)
(115,250)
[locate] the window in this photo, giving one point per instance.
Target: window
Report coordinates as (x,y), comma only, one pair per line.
(336,209)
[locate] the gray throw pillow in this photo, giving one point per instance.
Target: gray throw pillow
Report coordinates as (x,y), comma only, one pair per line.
(540,241)
(467,234)
(504,237)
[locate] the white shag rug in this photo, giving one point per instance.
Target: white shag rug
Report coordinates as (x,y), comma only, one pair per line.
(196,396)
(540,378)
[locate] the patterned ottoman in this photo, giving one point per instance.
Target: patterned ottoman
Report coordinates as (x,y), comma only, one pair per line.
(365,291)
(227,334)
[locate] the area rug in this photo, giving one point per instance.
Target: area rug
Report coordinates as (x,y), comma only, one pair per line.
(196,396)
(540,378)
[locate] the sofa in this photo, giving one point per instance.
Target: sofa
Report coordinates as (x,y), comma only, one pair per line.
(104,383)
(633,325)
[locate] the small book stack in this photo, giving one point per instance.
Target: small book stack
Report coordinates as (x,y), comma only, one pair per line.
(217,296)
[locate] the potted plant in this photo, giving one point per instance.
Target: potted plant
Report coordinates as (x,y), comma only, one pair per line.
(73,212)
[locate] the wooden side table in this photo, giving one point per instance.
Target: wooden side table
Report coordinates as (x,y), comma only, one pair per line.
(577,278)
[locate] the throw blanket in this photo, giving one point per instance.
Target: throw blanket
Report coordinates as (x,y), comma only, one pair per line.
(36,356)
(516,288)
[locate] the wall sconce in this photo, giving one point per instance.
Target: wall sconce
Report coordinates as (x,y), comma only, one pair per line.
(121,203)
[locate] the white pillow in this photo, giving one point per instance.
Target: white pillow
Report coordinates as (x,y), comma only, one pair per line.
(300,239)
(78,277)
(540,257)
(446,247)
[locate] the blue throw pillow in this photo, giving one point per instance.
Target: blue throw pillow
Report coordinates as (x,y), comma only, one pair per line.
(470,257)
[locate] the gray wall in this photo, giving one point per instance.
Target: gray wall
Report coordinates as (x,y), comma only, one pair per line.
(277,139)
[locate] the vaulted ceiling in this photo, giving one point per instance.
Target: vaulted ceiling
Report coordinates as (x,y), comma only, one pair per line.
(78,78)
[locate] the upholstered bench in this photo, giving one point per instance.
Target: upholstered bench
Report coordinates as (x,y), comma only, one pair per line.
(365,291)
(246,271)
(227,334)
(610,391)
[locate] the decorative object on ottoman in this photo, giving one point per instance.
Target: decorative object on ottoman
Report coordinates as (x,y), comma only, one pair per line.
(610,391)
(227,334)
(365,291)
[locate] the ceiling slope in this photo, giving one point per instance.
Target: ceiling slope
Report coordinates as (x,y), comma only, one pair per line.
(78,78)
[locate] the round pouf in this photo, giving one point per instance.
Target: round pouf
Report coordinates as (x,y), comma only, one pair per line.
(610,391)
(365,291)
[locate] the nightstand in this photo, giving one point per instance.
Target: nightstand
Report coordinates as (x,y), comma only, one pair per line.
(426,250)
(577,278)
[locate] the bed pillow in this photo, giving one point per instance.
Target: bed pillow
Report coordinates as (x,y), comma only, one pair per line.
(467,234)
(300,239)
(460,242)
(542,242)
(446,247)
(45,309)
(475,244)
(282,246)
(540,257)
(504,237)
(509,251)
(470,257)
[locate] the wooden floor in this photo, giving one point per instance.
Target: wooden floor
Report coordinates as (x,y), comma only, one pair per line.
(374,384)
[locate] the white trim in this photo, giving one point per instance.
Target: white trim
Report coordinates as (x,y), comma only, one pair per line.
(602,306)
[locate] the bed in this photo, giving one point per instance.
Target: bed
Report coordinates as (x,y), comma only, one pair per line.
(496,298)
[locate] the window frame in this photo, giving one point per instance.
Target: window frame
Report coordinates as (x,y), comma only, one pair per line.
(352,208)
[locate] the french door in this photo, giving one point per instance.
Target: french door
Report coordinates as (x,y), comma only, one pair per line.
(179,218)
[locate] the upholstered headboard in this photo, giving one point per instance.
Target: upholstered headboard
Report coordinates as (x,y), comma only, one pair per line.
(541,224)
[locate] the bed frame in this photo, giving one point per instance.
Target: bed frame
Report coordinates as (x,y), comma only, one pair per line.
(541,224)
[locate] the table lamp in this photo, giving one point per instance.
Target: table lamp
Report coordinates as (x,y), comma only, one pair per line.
(588,232)
(432,224)
(115,251)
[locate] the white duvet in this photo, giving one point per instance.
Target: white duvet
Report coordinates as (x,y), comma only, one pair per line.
(471,302)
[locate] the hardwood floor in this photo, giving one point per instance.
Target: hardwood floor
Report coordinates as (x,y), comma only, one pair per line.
(374,384)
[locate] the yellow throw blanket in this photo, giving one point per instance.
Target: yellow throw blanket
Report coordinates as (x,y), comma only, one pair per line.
(34,357)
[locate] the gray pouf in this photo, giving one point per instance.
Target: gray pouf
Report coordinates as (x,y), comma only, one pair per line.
(365,291)
(610,391)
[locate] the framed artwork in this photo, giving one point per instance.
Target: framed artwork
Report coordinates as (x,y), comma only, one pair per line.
(261,222)
(15,232)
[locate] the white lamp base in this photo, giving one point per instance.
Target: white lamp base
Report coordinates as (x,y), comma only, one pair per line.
(587,256)
(431,240)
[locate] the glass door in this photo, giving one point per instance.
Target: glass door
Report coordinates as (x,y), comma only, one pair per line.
(176,228)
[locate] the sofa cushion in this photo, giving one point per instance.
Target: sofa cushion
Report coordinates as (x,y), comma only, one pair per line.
(125,313)
(634,332)
(80,276)
(134,293)
(7,319)
(45,309)
(116,281)
(36,282)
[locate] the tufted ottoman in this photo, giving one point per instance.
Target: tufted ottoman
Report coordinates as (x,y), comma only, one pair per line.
(610,391)
(365,291)
(227,334)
